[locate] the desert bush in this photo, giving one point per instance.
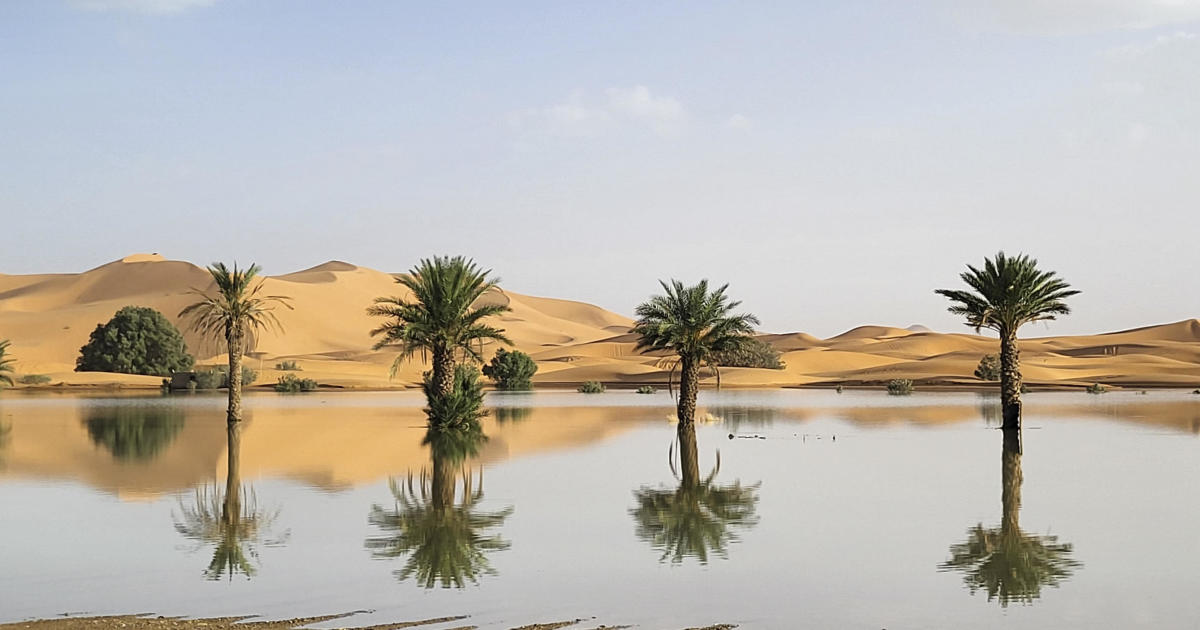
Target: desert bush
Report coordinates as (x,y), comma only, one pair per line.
(137,340)
(1096,388)
(462,407)
(511,370)
(989,368)
(35,379)
(752,353)
(291,384)
(592,387)
(288,366)
(646,389)
(900,387)
(218,377)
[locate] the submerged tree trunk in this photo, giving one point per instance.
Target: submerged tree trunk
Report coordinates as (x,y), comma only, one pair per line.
(443,371)
(689,460)
(1010,473)
(689,384)
(1010,379)
(231,510)
(236,340)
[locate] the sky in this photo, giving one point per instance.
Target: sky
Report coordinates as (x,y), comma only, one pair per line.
(834,162)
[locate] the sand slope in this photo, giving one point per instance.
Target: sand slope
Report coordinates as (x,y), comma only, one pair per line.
(48,317)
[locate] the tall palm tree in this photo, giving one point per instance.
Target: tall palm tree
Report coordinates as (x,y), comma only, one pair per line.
(237,313)
(1006,294)
(6,369)
(1011,565)
(692,323)
(441,318)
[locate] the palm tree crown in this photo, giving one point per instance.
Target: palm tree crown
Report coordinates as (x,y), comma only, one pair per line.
(1009,292)
(441,317)
(237,306)
(5,364)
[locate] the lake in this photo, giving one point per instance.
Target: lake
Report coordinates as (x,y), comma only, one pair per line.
(816,509)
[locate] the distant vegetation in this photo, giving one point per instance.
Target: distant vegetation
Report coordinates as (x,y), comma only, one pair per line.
(291,384)
(137,340)
(751,353)
(646,389)
(1096,388)
(218,377)
(511,370)
(989,368)
(592,387)
(900,387)
(288,366)
(35,379)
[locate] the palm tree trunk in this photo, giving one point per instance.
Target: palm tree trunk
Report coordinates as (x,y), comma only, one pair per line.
(1010,379)
(232,508)
(443,371)
(1011,477)
(689,460)
(689,384)
(235,338)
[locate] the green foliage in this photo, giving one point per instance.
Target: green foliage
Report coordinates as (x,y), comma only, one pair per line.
(989,368)
(134,433)
(6,362)
(218,377)
(35,379)
(291,384)
(900,387)
(1096,388)
(511,370)
(137,340)
(462,407)
(646,389)
(592,387)
(442,318)
(751,353)
(1007,293)
(288,366)
(237,312)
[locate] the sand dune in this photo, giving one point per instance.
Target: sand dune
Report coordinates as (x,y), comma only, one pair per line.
(48,317)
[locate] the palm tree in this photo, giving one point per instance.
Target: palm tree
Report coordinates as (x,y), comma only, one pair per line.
(441,318)
(1006,294)
(237,313)
(6,369)
(441,530)
(1011,565)
(697,518)
(693,324)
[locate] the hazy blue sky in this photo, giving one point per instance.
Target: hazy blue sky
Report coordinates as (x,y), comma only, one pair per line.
(834,161)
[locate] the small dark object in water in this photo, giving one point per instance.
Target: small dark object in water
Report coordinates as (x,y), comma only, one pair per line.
(731,436)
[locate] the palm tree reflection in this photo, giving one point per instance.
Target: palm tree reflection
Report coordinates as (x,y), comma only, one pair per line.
(231,521)
(436,520)
(1011,565)
(699,517)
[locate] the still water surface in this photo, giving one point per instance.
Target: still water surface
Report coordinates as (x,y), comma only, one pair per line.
(827,511)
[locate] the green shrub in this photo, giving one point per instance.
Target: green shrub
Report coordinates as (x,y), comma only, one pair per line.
(218,377)
(291,384)
(646,389)
(137,340)
(35,379)
(900,387)
(989,368)
(288,366)
(751,352)
(1096,388)
(592,387)
(511,370)
(462,407)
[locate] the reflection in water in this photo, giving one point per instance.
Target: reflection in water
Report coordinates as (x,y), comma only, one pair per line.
(697,518)
(736,416)
(440,529)
(990,409)
(1011,565)
(5,430)
(132,432)
(511,414)
(231,520)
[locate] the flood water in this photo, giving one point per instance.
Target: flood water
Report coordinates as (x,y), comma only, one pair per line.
(856,510)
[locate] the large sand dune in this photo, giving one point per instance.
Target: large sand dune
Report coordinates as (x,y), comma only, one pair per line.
(48,317)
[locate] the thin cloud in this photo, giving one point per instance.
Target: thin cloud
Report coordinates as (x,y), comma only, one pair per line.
(633,106)
(149,7)
(1060,17)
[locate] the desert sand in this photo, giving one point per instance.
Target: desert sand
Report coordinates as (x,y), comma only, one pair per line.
(48,317)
